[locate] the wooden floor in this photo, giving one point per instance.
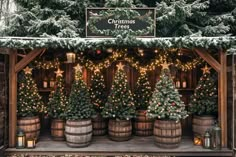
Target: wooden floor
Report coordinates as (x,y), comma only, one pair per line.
(102,146)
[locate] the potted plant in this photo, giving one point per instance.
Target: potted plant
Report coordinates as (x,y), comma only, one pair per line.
(203,103)
(168,109)
(29,104)
(143,126)
(78,128)
(119,108)
(56,107)
(98,98)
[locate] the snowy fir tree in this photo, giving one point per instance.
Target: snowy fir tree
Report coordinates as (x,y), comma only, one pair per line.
(120,103)
(142,92)
(29,101)
(204,100)
(79,105)
(194,17)
(48,18)
(165,103)
(98,91)
(58,100)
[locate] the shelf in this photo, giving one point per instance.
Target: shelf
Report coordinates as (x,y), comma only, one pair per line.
(185,89)
(44,89)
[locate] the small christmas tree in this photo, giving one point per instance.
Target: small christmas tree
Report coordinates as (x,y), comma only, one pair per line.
(142,93)
(29,101)
(204,99)
(98,91)
(120,103)
(79,106)
(58,101)
(165,103)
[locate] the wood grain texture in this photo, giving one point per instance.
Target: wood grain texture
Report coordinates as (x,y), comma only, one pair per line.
(208,58)
(222,97)
(103,146)
(12,97)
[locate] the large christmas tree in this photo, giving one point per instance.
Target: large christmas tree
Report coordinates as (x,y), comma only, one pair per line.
(58,101)
(143,91)
(29,102)
(165,103)
(98,91)
(120,103)
(79,105)
(204,99)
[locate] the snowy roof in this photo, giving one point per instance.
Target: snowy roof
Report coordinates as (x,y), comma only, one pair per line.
(119,42)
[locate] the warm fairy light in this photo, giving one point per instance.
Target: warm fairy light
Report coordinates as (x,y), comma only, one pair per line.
(47,64)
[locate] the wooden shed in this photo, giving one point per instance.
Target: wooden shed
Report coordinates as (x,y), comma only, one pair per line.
(18,52)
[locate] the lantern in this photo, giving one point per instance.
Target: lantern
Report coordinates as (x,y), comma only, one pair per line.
(30,143)
(216,137)
(207,140)
(52,83)
(197,140)
(177,83)
(20,139)
(45,83)
(184,84)
(70,57)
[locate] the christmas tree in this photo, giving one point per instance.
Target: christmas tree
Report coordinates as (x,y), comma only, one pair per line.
(120,103)
(142,93)
(204,99)
(98,91)
(165,103)
(58,101)
(79,106)
(29,101)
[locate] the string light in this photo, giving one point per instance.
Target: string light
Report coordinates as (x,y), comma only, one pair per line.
(47,64)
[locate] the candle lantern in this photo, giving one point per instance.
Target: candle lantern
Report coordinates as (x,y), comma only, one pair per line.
(45,83)
(30,143)
(207,140)
(197,140)
(52,83)
(177,83)
(216,137)
(20,139)
(184,84)
(70,57)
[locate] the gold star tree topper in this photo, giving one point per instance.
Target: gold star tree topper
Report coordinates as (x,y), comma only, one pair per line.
(28,70)
(58,73)
(97,70)
(206,69)
(120,66)
(78,68)
(165,65)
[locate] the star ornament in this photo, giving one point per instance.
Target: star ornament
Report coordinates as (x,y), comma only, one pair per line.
(28,70)
(120,66)
(206,69)
(97,70)
(165,65)
(59,72)
(78,68)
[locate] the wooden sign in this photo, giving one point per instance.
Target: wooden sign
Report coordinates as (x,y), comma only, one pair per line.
(110,22)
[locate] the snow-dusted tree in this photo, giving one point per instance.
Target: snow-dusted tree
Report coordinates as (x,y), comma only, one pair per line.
(48,18)
(194,17)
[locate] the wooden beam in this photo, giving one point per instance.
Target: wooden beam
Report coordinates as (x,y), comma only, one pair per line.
(12,97)
(208,58)
(222,97)
(27,59)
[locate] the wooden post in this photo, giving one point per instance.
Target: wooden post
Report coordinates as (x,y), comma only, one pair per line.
(222,97)
(12,97)
(221,68)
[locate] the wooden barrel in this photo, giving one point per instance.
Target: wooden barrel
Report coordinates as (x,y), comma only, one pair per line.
(143,126)
(1,127)
(30,126)
(167,133)
(99,125)
(78,132)
(202,123)
(58,129)
(120,130)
